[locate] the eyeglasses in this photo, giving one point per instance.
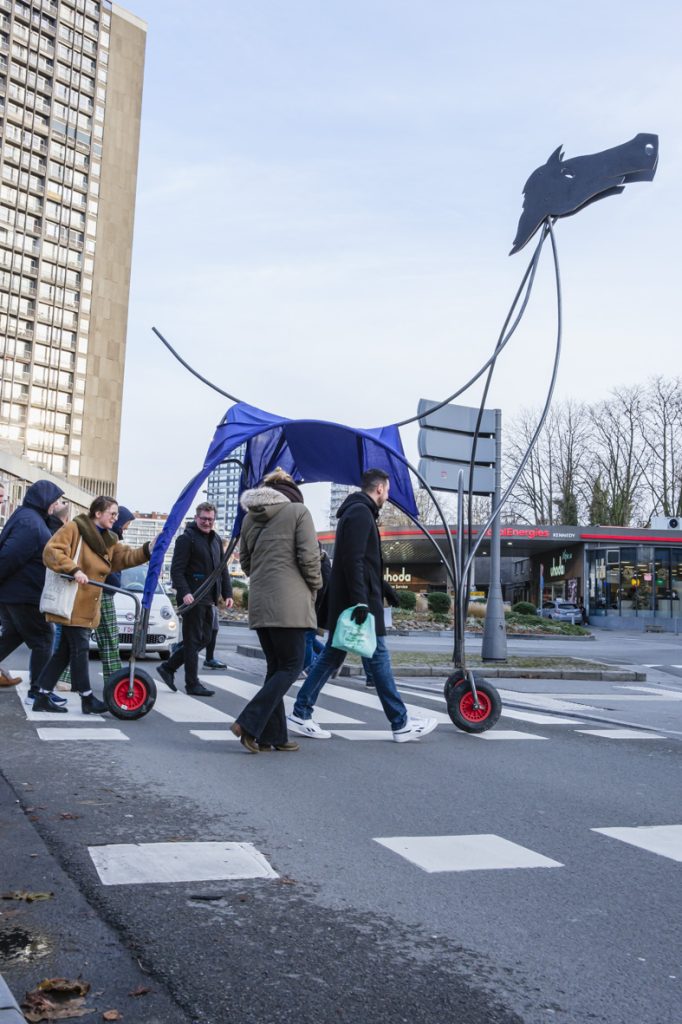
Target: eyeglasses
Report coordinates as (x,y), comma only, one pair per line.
(206,519)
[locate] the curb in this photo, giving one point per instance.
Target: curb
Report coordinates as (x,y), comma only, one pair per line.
(587,675)
(9,1010)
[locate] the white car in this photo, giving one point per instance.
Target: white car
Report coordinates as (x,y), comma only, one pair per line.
(561,611)
(163,628)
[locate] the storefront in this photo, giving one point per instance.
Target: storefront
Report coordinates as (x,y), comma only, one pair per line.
(628,578)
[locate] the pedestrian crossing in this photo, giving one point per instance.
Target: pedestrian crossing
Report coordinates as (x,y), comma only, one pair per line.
(351,714)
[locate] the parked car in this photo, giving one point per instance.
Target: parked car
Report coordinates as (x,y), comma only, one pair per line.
(163,629)
(561,611)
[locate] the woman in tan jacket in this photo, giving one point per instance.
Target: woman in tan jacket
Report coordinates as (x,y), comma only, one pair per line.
(86,548)
(278,550)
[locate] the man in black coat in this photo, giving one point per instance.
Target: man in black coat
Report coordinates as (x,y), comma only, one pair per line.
(357,580)
(22,574)
(198,552)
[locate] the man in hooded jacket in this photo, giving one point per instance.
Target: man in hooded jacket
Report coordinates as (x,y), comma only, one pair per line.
(22,575)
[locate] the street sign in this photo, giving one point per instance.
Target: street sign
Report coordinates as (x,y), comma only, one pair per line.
(445,445)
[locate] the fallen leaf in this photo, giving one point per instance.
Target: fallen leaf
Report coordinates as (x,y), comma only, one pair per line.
(64,987)
(68,816)
(111,1015)
(37,1007)
(141,990)
(28,897)
(287,881)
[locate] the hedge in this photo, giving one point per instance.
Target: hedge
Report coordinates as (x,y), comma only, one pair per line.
(439,603)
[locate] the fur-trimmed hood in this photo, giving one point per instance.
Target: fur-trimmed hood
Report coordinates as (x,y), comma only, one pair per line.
(263,502)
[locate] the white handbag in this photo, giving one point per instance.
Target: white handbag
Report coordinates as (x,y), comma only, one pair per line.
(59,594)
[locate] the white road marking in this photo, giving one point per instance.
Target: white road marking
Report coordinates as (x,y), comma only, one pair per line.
(144,863)
(179,707)
(75,714)
(621,734)
(363,734)
(248,690)
(214,734)
(505,734)
(465,853)
(367,700)
(546,701)
(665,840)
(81,734)
(520,716)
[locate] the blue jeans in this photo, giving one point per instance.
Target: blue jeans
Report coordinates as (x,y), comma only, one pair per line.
(313,647)
(382,676)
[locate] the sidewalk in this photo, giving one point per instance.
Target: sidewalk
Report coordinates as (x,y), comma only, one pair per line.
(62,936)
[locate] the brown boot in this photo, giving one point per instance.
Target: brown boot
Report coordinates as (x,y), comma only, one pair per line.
(7,680)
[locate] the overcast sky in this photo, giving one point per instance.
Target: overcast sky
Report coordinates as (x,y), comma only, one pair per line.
(328,194)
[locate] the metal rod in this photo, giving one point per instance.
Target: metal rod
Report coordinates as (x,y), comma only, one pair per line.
(191,369)
(543,417)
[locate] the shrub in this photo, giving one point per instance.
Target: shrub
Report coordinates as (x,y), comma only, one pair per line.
(408,600)
(476,610)
(439,603)
(524,608)
(245,598)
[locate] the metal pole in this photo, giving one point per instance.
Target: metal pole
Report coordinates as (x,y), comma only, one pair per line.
(494,647)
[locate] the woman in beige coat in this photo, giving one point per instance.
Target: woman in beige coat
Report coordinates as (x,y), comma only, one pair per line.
(86,548)
(278,550)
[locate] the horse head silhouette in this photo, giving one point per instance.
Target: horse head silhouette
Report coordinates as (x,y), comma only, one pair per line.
(562,187)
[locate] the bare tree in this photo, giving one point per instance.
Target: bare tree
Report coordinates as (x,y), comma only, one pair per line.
(618,455)
(552,488)
(661,427)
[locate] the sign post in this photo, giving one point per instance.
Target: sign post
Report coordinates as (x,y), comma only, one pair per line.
(448,439)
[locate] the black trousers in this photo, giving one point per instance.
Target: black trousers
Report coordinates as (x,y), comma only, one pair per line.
(264,716)
(25,624)
(197,627)
(72,650)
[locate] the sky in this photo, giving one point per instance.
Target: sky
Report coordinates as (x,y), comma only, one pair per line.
(328,193)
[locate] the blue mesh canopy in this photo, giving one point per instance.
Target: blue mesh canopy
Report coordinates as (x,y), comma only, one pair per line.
(310,450)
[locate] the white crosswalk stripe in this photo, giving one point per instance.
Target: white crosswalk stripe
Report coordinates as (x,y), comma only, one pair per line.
(665,840)
(163,863)
(622,734)
(465,853)
(248,690)
(78,735)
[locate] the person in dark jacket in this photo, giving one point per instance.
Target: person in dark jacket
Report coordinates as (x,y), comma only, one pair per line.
(22,575)
(357,580)
(198,551)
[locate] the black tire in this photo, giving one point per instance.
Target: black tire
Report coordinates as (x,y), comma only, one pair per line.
(142,701)
(459,700)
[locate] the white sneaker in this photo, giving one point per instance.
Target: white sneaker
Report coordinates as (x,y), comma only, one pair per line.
(414,729)
(307,727)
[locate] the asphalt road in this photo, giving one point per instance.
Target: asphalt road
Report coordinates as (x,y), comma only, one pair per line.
(533,916)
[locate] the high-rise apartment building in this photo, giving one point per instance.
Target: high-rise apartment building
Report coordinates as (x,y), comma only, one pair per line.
(337,495)
(70,97)
(222,489)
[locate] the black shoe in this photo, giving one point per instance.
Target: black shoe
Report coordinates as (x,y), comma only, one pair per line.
(199,691)
(368,682)
(43,703)
(168,677)
(90,705)
(214,663)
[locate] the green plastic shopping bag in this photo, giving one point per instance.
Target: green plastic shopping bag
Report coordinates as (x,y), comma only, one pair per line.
(348,636)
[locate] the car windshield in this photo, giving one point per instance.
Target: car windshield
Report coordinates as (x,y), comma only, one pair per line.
(134,579)
(569,607)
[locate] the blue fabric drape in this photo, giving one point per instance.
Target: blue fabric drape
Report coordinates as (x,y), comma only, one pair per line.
(310,450)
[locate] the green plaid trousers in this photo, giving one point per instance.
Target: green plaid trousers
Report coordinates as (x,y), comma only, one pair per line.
(107,640)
